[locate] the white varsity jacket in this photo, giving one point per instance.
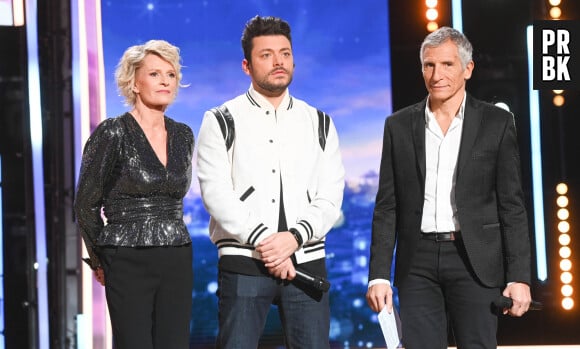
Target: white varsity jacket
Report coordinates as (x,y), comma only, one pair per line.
(240,188)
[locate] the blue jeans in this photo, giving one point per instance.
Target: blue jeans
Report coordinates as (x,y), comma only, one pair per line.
(244,303)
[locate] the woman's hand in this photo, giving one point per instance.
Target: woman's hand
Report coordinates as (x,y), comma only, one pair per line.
(100,275)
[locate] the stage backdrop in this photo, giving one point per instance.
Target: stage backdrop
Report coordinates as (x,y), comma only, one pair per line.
(341,51)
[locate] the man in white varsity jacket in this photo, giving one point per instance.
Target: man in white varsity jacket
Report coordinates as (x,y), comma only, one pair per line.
(272,179)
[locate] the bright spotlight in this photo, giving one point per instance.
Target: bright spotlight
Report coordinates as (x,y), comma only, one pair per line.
(561,188)
(432,14)
(567,303)
(565,265)
(555,12)
(432,26)
(567,290)
(563,227)
(566,277)
(565,252)
(562,201)
(558,100)
(564,239)
(563,214)
(431,3)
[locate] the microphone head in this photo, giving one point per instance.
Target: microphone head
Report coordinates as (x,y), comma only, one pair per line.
(323,285)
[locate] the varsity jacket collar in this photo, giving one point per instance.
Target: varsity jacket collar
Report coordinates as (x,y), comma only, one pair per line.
(256,99)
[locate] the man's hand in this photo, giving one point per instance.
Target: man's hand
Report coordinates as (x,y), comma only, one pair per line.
(284,270)
(378,296)
(276,248)
(521,297)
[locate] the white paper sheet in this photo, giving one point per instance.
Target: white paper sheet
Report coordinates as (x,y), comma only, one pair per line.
(389,323)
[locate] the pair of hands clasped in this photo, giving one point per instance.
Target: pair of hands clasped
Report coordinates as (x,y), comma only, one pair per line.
(276,251)
(381,295)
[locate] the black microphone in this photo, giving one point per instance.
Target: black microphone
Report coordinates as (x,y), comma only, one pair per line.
(503,302)
(312,280)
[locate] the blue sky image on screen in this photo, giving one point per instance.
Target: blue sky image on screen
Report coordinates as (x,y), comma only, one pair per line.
(341,51)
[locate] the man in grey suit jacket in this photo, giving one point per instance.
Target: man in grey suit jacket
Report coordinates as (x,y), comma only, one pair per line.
(450,199)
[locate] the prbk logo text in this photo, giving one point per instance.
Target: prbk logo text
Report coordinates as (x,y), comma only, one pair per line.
(556,55)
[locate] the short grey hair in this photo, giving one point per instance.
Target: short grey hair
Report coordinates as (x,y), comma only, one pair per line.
(443,34)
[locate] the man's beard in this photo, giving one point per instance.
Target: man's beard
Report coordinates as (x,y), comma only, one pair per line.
(274,88)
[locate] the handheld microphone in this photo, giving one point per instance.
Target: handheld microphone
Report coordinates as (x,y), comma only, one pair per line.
(312,280)
(503,302)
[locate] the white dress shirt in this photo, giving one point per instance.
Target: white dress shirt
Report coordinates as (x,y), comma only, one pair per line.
(441,153)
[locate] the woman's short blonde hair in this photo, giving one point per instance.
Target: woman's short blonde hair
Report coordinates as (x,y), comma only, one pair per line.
(132,60)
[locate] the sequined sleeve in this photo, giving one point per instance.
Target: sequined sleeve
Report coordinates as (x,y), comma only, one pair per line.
(99,156)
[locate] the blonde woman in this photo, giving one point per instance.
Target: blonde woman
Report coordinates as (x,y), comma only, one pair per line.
(136,169)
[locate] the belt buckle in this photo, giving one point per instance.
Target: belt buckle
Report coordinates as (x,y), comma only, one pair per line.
(449,237)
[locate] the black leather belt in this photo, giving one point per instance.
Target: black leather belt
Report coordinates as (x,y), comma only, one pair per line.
(442,236)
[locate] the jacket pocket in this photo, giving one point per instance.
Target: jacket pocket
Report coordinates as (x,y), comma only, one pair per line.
(247,193)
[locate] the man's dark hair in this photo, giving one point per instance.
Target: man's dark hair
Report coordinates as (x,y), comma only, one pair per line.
(261,26)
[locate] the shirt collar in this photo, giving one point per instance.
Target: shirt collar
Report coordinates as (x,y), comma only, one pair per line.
(461,114)
(260,101)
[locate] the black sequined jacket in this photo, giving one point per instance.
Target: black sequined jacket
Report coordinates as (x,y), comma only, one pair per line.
(122,179)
